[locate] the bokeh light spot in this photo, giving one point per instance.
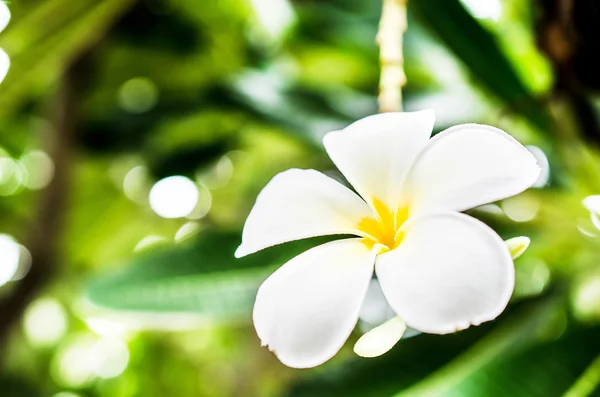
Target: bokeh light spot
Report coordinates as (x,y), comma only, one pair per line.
(39,167)
(86,358)
(138,95)
(522,208)
(586,298)
(484,9)
(274,16)
(136,184)
(187,230)
(10,253)
(204,203)
(45,322)
(149,241)
(219,175)
(24,264)
(12,176)
(4,63)
(113,356)
(174,197)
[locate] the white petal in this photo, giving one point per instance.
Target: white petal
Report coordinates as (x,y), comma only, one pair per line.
(450,271)
(4,64)
(307,309)
(517,245)
(375,152)
(4,16)
(380,339)
(466,166)
(298,204)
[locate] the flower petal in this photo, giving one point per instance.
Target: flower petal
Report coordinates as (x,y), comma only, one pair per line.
(375,152)
(298,204)
(380,339)
(4,64)
(517,246)
(4,16)
(449,272)
(467,166)
(306,310)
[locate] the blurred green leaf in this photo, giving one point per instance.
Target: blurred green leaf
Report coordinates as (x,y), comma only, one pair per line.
(200,276)
(516,353)
(481,54)
(50,50)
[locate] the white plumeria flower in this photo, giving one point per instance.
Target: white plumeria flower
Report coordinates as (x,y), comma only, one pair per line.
(440,270)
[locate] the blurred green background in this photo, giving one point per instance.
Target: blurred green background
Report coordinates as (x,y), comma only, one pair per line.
(136,134)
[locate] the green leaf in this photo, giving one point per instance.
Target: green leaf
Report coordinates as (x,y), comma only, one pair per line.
(464,363)
(40,50)
(481,54)
(199,276)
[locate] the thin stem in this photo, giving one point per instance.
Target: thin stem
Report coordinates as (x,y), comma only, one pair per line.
(587,382)
(392,26)
(511,335)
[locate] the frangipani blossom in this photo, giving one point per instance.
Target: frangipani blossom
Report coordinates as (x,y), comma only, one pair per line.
(440,270)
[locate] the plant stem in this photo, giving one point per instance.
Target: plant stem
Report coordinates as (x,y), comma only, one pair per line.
(392,26)
(587,382)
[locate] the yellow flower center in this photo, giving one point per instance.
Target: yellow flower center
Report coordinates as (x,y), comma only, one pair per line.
(384,229)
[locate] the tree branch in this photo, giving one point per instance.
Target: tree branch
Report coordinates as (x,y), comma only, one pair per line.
(392,26)
(45,231)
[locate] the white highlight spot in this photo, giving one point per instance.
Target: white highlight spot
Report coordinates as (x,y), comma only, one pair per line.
(521,208)
(174,197)
(45,322)
(138,95)
(88,358)
(275,16)
(24,264)
(586,298)
(187,230)
(113,356)
(12,176)
(136,184)
(219,175)
(39,167)
(484,9)
(149,241)
(10,253)
(204,203)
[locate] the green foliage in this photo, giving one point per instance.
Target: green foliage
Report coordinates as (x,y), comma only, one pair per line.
(221,86)
(481,54)
(200,276)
